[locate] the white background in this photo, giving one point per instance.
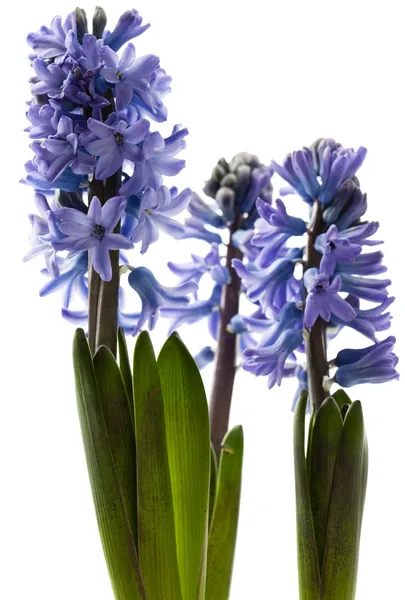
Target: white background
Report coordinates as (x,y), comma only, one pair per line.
(266,77)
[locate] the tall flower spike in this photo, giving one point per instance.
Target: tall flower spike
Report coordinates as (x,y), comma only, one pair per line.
(338,274)
(89,122)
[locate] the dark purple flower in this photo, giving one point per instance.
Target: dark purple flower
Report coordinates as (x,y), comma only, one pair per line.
(155,211)
(129,74)
(42,119)
(63,152)
(49,79)
(271,360)
(335,248)
(273,229)
(323,299)
(158,160)
(94,232)
(49,42)
(129,26)
(193,271)
(115,142)
(154,296)
(374,364)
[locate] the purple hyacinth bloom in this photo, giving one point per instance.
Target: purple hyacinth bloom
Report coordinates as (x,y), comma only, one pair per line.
(368,321)
(42,119)
(323,299)
(154,296)
(49,78)
(367,288)
(195,229)
(115,142)
(204,357)
(94,232)
(333,164)
(63,152)
(129,74)
(365,264)
(207,213)
(262,285)
(49,42)
(195,312)
(129,26)
(242,239)
(335,248)
(374,364)
(72,277)
(45,230)
(194,270)
(258,188)
(273,230)
(158,160)
(271,359)
(155,211)
(150,103)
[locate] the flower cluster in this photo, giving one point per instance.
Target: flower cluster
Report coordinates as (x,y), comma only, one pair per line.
(302,274)
(223,224)
(98,167)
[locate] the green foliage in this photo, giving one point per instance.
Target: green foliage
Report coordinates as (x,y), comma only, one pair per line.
(330,492)
(224,524)
(153,474)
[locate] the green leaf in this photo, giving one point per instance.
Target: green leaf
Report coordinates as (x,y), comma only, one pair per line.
(188,442)
(213,483)
(341,398)
(324,448)
(224,525)
(125,368)
(308,565)
(156,529)
(114,524)
(119,427)
(339,573)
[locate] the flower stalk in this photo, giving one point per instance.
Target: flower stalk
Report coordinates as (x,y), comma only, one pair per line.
(225,361)
(315,340)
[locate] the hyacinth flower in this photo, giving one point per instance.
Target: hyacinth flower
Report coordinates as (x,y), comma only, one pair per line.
(337,277)
(238,189)
(99,173)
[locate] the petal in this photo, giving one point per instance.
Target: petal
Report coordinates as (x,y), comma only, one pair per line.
(100,259)
(110,57)
(76,229)
(111,212)
(136,133)
(117,241)
(100,146)
(71,214)
(128,57)
(123,91)
(109,163)
(95,211)
(169,226)
(100,129)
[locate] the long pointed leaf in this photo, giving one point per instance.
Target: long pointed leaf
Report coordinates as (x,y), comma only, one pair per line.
(188,442)
(120,431)
(114,524)
(156,529)
(339,571)
(324,448)
(308,565)
(224,525)
(213,483)
(125,367)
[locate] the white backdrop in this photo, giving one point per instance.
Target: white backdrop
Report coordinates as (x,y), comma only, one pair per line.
(263,77)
